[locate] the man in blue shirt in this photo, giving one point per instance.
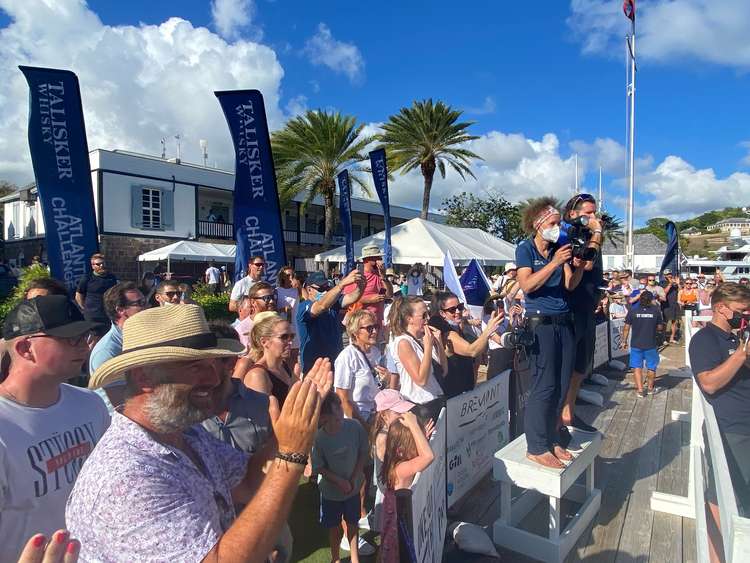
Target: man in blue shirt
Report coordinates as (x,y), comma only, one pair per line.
(318,316)
(121,302)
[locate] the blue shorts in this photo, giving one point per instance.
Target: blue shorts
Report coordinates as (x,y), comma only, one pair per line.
(331,511)
(639,355)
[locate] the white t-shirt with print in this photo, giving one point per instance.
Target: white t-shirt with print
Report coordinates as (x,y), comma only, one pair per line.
(242,287)
(352,372)
(409,389)
(42,451)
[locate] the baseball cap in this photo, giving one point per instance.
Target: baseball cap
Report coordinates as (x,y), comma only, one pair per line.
(390,399)
(318,279)
(54,315)
(667,272)
(510,266)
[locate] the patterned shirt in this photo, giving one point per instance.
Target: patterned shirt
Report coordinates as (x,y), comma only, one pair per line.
(139,500)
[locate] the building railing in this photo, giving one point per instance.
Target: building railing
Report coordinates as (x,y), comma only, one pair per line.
(215,229)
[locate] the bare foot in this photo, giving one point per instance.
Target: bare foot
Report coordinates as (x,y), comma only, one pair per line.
(546,459)
(562,454)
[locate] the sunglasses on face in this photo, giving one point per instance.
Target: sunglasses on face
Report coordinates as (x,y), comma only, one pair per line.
(286,337)
(172,294)
(97,263)
(452,310)
(259,264)
(369,328)
(266,298)
(73,341)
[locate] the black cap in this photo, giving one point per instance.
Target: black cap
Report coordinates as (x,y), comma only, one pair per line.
(318,279)
(55,315)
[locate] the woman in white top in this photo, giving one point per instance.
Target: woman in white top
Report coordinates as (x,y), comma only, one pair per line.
(358,376)
(415,348)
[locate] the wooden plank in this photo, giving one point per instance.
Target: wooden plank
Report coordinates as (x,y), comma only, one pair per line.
(672,475)
(635,540)
(666,538)
(618,478)
(689,549)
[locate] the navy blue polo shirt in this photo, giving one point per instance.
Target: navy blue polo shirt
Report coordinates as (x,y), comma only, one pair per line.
(643,322)
(550,298)
(709,348)
(585,297)
(319,337)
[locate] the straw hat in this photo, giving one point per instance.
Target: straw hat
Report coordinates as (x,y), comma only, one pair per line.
(371,251)
(163,335)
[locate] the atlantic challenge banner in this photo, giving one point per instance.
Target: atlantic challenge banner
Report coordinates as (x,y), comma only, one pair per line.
(380,177)
(257,217)
(60,158)
(345,209)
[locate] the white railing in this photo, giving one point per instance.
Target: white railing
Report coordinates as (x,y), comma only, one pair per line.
(734,529)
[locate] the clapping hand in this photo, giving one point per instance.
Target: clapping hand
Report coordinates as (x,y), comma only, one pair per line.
(61,548)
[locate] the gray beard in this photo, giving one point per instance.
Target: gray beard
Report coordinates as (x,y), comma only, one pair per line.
(170,411)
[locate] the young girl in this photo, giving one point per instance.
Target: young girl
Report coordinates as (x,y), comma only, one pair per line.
(407,452)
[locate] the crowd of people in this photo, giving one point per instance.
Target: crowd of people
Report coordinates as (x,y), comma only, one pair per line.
(193,435)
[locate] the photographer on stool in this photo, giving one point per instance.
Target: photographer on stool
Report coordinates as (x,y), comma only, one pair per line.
(545,272)
(583,301)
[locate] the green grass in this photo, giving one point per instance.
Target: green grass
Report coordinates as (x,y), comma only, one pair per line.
(310,538)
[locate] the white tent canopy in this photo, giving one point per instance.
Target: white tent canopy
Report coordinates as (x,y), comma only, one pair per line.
(423,241)
(191,251)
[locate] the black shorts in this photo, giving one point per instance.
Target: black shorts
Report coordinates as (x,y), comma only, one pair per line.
(585,336)
(672,313)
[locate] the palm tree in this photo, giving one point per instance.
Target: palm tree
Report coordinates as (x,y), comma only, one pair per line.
(427,136)
(310,151)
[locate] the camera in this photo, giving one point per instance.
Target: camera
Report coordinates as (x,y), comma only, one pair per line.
(517,337)
(577,233)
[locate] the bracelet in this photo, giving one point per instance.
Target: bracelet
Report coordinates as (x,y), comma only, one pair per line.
(293,457)
(597,232)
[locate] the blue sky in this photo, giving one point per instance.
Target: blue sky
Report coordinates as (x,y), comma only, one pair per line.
(542,80)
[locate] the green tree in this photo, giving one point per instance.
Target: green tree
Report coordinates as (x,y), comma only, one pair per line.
(428,136)
(310,151)
(491,213)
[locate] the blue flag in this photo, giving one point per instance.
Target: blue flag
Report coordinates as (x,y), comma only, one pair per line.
(257,217)
(380,177)
(345,208)
(671,256)
(474,284)
(60,157)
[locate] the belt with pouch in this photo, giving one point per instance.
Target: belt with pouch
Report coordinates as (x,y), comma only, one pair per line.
(559,319)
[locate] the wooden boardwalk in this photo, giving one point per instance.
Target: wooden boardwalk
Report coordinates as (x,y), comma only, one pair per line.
(643,451)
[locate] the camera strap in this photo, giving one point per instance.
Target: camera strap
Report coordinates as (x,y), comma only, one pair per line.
(369,365)
(437,369)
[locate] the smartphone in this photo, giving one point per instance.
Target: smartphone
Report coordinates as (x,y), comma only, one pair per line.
(361,269)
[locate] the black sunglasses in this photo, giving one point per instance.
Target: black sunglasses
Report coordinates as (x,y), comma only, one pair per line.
(451,310)
(369,328)
(259,264)
(74,341)
(172,294)
(266,298)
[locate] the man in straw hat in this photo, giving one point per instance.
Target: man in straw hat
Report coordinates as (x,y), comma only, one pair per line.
(377,287)
(158,486)
(47,427)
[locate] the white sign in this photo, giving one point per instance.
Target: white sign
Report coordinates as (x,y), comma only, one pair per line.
(478,427)
(616,328)
(601,345)
(429,518)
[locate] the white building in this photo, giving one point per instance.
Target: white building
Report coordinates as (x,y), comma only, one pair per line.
(144,202)
(726,225)
(649,253)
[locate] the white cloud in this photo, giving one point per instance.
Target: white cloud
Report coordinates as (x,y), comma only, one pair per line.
(677,189)
(229,16)
(296,105)
(713,31)
(139,83)
(487,107)
(345,58)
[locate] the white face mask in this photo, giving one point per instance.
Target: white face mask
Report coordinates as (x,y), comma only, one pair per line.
(551,234)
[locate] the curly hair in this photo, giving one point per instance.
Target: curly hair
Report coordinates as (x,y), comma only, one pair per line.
(533,210)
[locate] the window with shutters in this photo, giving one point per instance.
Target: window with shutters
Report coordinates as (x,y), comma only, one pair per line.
(151,208)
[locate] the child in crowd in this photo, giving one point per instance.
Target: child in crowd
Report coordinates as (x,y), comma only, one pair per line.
(338,456)
(407,452)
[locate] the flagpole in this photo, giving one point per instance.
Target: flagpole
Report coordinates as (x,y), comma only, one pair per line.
(631,163)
